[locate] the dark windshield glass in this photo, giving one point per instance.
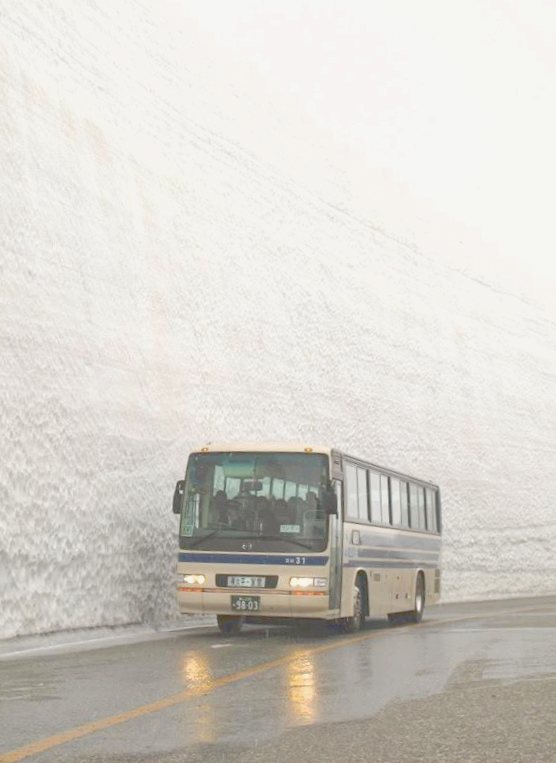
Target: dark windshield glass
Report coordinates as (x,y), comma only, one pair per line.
(254,501)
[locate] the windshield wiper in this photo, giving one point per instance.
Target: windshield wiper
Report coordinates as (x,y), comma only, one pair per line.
(198,541)
(278,537)
(202,538)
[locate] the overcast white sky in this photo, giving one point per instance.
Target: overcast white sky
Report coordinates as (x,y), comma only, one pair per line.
(453,102)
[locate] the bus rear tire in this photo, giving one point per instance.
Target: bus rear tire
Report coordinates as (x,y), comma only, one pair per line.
(229,625)
(416,614)
(355,623)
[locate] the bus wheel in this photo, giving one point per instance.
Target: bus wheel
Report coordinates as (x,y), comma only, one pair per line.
(416,614)
(355,623)
(229,625)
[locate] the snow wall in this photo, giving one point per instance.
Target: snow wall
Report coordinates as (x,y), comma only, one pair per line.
(180,262)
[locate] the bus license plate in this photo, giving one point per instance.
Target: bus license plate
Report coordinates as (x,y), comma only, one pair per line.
(243,581)
(246,603)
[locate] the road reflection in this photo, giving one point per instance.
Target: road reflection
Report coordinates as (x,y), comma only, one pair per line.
(301,688)
(196,673)
(195,670)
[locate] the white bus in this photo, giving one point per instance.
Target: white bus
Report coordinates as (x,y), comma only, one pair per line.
(273,533)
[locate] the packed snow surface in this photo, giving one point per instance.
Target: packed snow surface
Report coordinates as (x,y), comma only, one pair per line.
(179,264)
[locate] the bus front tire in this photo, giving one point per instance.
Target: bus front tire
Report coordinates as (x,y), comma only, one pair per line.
(229,625)
(355,623)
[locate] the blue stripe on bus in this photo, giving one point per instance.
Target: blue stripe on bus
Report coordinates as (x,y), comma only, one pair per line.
(390,565)
(393,539)
(368,553)
(292,560)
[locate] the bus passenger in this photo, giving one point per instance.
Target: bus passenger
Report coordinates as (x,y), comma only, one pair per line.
(218,512)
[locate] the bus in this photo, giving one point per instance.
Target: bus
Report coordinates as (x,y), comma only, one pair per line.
(277,533)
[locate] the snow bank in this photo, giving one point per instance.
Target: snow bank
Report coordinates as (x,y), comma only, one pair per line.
(176,267)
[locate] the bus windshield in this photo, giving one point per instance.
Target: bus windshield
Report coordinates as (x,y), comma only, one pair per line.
(255,501)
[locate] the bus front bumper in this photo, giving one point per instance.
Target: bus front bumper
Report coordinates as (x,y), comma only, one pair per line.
(276,604)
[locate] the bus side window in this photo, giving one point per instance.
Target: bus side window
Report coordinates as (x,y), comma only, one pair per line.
(404,504)
(356,493)
(362,494)
(233,485)
(290,490)
(421,507)
(431,510)
(413,507)
(277,488)
(352,510)
(376,513)
(265,488)
(302,491)
(395,501)
(385,500)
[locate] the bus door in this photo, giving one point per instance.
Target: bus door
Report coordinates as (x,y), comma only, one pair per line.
(336,550)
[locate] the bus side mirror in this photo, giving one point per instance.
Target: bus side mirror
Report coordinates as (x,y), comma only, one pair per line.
(330,502)
(178,496)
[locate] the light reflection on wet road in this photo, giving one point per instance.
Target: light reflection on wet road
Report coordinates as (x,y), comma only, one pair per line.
(301,689)
(274,693)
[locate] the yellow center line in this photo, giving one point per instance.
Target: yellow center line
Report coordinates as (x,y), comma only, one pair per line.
(42,745)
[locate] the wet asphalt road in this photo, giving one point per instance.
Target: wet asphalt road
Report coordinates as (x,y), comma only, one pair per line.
(473,682)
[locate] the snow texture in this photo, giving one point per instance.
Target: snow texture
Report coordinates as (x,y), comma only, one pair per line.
(180,263)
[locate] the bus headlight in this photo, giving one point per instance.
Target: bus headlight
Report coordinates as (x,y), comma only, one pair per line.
(308,582)
(192,579)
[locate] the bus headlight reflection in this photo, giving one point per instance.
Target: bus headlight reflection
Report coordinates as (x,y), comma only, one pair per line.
(192,579)
(308,582)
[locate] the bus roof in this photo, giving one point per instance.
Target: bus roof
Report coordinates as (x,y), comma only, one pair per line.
(263,447)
